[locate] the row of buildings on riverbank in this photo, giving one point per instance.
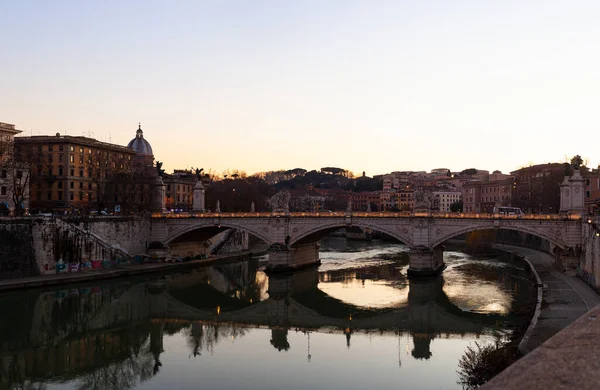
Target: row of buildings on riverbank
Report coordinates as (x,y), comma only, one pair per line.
(534,189)
(66,174)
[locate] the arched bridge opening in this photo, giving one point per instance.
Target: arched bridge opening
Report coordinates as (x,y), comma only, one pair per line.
(317,233)
(506,233)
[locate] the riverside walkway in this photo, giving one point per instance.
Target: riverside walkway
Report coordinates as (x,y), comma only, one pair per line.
(561,344)
(564,298)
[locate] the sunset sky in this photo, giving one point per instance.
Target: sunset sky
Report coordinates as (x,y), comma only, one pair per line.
(374,86)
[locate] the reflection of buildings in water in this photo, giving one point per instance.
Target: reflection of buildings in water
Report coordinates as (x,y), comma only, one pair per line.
(104,327)
(108,360)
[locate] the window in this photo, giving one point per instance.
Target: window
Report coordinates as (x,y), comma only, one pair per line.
(587,182)
(50,159)
(50,148)
(89,187)
(81,172)
(60,148)
(4,173)
(60,195)
(588,194)
(81,196)
(60,184)
(89,151)
(72,149)
(60,171)
(80,159)
(40,148)
(3,191)
(49,195)
(72,172)
(71,195)
(80,150)
(80,185)
(72,158)
(72,184)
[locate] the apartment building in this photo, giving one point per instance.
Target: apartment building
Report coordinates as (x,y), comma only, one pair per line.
(179,190)
(444,199)
(69,173)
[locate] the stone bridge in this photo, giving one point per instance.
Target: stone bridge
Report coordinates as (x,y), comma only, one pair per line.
(292,237)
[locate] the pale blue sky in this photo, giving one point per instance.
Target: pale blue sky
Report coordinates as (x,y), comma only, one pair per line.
(265,85)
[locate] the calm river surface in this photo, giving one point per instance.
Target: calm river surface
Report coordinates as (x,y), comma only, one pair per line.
(356,322)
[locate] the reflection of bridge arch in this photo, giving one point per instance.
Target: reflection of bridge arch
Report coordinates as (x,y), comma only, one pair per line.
(429,313)
(211,229)
(541,232)
(316,233)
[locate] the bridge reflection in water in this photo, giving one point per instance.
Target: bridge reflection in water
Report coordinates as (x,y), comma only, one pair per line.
(111,335)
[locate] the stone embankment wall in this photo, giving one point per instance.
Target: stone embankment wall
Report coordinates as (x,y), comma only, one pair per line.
(17,256)
(589,265)
(232,240)
(513,237)
(586,260)
(64,247)
(34,246)
(128,233)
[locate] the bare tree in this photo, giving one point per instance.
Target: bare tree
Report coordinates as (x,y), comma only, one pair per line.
(15,174)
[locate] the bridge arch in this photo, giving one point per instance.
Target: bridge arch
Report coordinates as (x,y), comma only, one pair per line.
(179,233)
(315,233)
(543,233)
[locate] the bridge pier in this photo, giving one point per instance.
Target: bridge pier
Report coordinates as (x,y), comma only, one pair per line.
(423,261)
(286,259)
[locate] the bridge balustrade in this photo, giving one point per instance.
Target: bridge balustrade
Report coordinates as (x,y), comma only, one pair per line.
(377,214)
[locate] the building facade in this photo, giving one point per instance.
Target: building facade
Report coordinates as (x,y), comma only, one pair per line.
(366,200)
(179,194)
(536,189)
(71,173)
(482,197)
(444,199)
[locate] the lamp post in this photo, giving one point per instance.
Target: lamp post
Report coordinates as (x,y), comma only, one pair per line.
(234,200)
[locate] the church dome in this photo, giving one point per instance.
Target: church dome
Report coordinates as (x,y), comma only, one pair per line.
(139,144)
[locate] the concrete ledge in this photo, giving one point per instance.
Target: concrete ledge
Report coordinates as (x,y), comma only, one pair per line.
(283,269)
(126,271)
(568,360)
(425,272)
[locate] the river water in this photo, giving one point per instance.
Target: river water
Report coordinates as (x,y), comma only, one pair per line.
(356,322)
